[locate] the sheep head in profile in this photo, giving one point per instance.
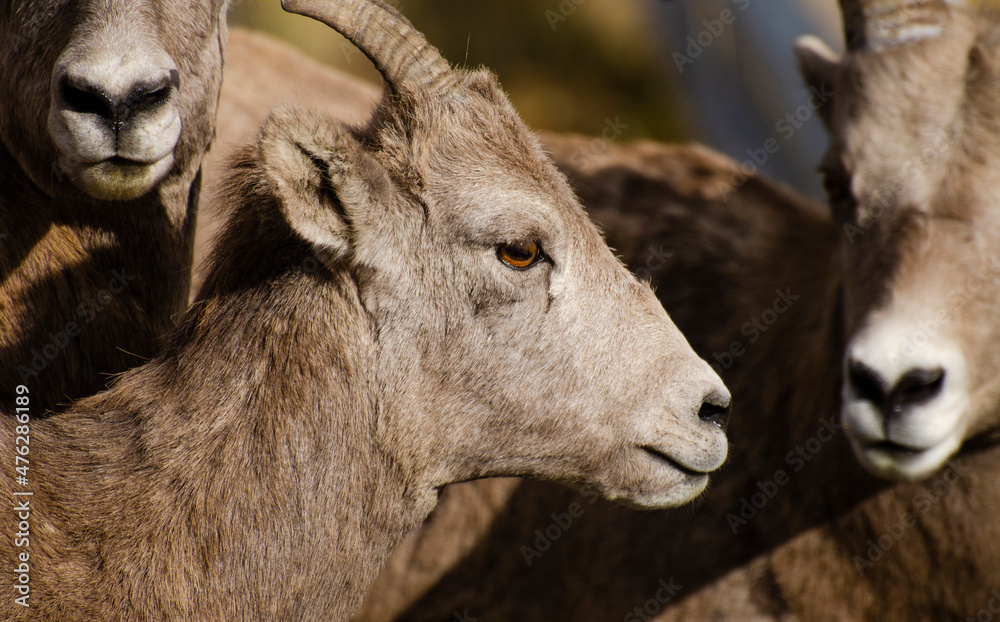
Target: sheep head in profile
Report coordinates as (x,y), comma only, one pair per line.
(509,339)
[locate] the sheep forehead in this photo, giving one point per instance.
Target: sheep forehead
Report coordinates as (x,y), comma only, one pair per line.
(475,123)
(480,160)
(492,212)
(898,134)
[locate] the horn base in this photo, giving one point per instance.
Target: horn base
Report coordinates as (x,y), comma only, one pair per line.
(875,25)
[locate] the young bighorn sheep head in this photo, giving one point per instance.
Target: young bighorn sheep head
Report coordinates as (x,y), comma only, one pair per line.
(111,95)
(912,176)
(508,338)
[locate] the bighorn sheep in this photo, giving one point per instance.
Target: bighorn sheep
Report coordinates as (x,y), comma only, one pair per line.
(106,110)
(387,310)
(915,207)
(789,302)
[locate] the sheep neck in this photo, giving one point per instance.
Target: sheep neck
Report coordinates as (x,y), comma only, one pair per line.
(74,273)
(210,484)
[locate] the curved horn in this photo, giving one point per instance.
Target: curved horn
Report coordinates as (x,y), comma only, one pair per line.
(401,53)
(880,24)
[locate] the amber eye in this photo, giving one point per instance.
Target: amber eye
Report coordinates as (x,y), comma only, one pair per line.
(519,256)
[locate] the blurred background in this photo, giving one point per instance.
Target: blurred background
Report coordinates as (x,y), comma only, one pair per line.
(717,71)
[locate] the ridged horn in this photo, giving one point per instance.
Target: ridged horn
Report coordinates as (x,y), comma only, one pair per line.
(880,24)
(399,51)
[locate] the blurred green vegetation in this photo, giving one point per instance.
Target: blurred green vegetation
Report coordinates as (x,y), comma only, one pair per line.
(566,66)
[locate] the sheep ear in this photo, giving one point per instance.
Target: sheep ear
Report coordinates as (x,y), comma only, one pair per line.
(819,65)
(321,176)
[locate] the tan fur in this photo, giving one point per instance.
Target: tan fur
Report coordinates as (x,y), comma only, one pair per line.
(88,288)
(358,344)
(730,247)
(795,559)
(925,549)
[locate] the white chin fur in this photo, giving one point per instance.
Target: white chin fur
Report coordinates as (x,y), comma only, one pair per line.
(906,467)
(686,490)
(119,182)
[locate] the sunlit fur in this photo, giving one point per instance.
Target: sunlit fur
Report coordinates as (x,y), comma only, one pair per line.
(717,254)
(832,542)
(716,250)
(89,287)
(356,345)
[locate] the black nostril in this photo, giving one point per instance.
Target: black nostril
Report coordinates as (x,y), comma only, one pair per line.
(713,413)
(83,96)
(149,94)
(916,387)
(867,383)
(86,98)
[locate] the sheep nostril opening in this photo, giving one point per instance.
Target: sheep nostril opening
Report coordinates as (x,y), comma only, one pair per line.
(867,383)
(86,99)
(150,94)
(713,413)
(916,387)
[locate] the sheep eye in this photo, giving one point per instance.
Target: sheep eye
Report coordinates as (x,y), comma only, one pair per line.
(519,256)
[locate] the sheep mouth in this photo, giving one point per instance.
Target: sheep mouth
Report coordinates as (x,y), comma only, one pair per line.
(894,449)
(659,456)
(118,179)
(124,162)
(115,162)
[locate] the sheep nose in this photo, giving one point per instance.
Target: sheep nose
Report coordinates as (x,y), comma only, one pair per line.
(915,386)
(88,90)
(716,410)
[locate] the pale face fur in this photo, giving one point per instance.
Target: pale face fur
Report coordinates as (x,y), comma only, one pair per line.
(568,370)
(100,92)
(358,343)
(915,186)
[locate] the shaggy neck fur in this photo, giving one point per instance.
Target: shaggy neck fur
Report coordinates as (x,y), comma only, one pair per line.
(74,273)
(235,477)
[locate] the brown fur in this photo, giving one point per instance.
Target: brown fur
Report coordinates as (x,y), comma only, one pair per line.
(88,288)
(731,246)
(358,344)
(925,549)
(795,558)
(914,177)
